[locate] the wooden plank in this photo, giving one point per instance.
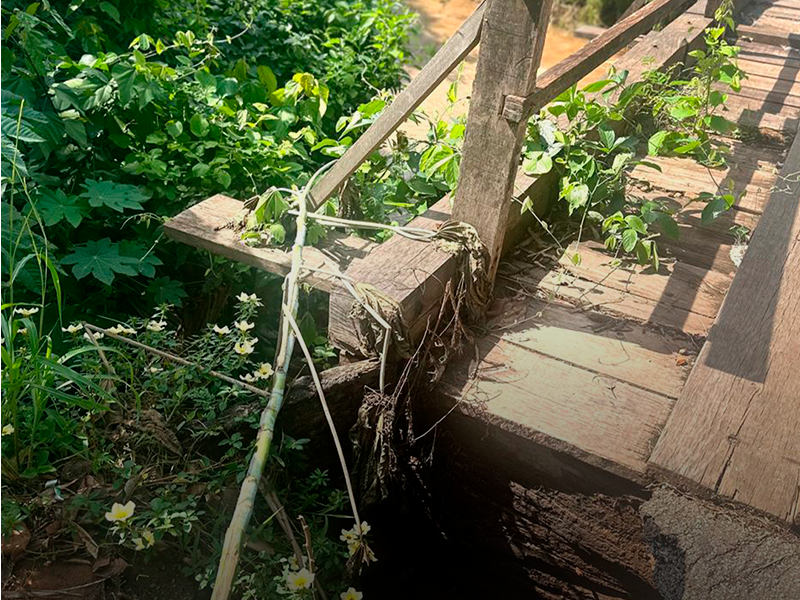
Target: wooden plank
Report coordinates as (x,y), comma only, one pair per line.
(433,73)
(763,22)
(591,295)
(751,49)
(786,70)
(624,350)
(734,430)
(766,117)
(602,421)
(789,86)
(574,68)
(776,97)
(511,49)
(677,286)
(203,226)
(769,36)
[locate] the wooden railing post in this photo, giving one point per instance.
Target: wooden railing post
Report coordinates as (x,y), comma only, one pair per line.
(511,46)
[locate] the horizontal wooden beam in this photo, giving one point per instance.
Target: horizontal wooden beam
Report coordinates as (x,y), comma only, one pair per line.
(574,68)
(433,73)
(205,226)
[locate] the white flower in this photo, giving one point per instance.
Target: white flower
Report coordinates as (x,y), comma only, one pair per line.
(222,330)
(293,564)
(8,429)
(149,538)
(243,348)
(264,371)
(300,580)
(120,512)
(248,378)
(155,369)
(26,312)
(244,326)
(121,330)
(73,329)
(23,330)
(365,528)
(98,335)
(156,326)
(251,299)
(139,544)
(351,594)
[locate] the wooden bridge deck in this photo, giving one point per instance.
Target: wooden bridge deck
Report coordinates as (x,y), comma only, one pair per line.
(593,360)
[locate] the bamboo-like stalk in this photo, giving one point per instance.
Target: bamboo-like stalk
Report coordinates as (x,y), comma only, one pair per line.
(247,495)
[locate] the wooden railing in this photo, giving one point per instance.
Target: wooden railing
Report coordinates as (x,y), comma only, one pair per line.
(505,93)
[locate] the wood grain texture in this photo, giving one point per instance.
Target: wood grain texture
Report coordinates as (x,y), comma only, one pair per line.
(433,73)
(676,286)
(511,49)
(574,68)
(773,36)
(601,420)
(735,428)
(625,350)
(198,226)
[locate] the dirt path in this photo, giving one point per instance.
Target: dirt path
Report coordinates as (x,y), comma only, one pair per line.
(439,19)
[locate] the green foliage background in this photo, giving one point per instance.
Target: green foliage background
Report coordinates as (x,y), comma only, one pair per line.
(117,115)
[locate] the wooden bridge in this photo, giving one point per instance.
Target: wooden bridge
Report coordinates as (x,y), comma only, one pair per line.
(595,388)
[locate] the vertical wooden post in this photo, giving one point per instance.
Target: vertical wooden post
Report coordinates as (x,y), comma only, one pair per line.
(511,46)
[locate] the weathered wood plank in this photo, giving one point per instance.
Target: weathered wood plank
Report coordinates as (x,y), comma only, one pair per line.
(511,50)
(203,226)
(734,430)
(678,286)
(432,74)
(624,350)
(590,295)
(601,420)
(574,68)
(769,36)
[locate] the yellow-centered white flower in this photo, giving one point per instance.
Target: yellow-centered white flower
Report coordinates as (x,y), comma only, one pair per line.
(73,329)
(26,312)
(299,580)
(222,330)
(156,326)
(244,326)
(120,512)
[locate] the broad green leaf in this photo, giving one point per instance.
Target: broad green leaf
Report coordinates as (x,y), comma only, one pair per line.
(55,206)
(164,290)
(686,148)
(607,137)
(145,260)
(713,209)
(636,224)
(110,10)
(577,196)
(199,125)
(116,196)
(655,142)
(597,86)
(101,259)
(223,177)
(537,163)
(629,239)
(620,161)
(174,128)
(668,226)
(200,169)
(267,78)
(682,111)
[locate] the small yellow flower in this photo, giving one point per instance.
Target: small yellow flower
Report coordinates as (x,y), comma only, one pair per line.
(120,512)
(243,348)
(73,329)
(249,298)
(222,330)
(98,335)
(156,326)
(149,538)
(264,371)
(26,312)
(300,580)
(248,378)
(351,594)
(365,528)
(154,370)
(244,326)
(8,429)
(348,535)
(139,544)
(293,564)
(23,330)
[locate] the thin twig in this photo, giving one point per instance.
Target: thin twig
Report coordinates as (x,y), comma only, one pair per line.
(293,324)
(280,513)
(310,552)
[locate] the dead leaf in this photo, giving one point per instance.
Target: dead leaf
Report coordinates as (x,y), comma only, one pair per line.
(91,546)
(17,542)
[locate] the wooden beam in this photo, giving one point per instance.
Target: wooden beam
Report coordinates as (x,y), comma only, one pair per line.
(204,226)
(433,73)
(574,68)
(734,430)
(511,50)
